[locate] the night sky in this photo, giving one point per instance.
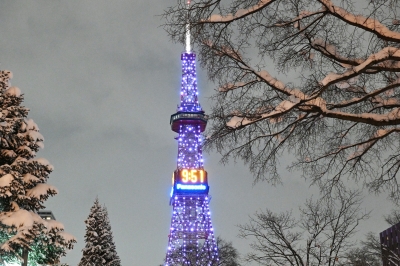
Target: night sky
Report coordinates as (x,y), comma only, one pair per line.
(101,79)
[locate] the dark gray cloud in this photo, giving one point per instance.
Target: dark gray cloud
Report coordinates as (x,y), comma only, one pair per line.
(101,79)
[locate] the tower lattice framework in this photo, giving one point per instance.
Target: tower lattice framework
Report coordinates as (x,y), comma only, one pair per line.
(191,238)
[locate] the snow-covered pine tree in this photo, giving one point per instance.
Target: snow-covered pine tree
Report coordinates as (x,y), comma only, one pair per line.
(112,258)
(24,236)
(100,249)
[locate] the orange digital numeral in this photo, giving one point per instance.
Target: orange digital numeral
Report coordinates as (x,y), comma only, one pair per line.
(193,176)
(185,175)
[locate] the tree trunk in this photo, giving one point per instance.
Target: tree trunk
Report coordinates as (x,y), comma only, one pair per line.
(25,257)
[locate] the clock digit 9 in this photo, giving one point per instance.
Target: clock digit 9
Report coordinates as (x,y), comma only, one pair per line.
(185,175)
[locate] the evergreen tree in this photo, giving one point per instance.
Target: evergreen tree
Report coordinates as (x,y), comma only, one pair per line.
(23,188)
(100,249)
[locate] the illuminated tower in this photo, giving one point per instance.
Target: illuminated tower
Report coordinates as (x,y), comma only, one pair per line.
(191,239)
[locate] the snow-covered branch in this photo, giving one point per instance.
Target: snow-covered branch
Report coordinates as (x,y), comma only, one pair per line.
(385,54)
(338,84)
(366,23)
(240,14)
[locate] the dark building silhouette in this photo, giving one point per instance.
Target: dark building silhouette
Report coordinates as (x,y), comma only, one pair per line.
(46,215)
(390,244)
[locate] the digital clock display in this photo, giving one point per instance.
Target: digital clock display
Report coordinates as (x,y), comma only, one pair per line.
(192,176)
(190,180)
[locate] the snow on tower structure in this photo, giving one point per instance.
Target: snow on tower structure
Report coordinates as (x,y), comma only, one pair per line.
(191,239)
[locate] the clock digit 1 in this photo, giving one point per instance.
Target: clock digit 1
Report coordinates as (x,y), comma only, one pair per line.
(202,176)
(193,175)
(185,175)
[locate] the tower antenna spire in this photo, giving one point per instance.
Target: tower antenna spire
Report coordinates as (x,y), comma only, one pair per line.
(188,28)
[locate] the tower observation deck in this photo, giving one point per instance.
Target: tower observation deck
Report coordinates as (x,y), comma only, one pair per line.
(191,239)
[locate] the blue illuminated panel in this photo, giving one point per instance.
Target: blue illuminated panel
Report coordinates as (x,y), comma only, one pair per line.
(190,187)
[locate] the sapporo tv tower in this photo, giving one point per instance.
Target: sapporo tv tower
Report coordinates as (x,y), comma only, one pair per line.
(191,238)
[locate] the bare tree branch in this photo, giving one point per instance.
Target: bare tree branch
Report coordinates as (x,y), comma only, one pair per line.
(335,101)
(321,236)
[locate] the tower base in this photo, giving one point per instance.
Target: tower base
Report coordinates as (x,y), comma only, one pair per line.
(191,239)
